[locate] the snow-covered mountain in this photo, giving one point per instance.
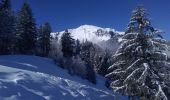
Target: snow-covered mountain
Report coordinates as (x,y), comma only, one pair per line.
(36,78)
(91,33)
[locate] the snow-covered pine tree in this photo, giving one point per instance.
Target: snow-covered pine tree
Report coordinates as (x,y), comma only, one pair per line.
(26,30)
(7,27)
(139,67)
(44,40)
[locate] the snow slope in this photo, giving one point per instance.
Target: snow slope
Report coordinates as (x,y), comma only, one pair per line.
(91,33)
(35,78)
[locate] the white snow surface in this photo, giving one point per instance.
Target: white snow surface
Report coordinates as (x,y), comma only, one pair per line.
(34,78)
(90,33)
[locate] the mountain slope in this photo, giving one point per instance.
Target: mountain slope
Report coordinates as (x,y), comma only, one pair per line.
(36,78)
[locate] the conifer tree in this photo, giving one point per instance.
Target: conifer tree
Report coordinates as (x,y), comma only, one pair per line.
(26,30)
(44,39)
(7,27)
(140,67)
(68,44)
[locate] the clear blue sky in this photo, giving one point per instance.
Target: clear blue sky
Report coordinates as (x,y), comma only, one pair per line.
(62,14)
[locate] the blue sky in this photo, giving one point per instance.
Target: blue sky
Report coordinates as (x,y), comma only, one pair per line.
(62,14)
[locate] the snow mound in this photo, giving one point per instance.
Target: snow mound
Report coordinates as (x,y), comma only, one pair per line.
(91,33)
(36,78)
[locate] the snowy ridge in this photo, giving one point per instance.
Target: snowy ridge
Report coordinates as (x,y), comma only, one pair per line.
(36,78)
(91,33)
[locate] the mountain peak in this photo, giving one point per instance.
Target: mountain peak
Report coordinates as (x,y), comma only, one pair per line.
(91,33)
(85,26)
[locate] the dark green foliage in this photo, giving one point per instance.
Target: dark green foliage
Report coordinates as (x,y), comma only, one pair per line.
(26,31)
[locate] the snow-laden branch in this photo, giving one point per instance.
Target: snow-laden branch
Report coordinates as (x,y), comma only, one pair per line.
(115,73)
(162,41)
(134,64)
(132,76)
(131,46)
(160,95)
(159,45)
(142,77)
(116,65)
